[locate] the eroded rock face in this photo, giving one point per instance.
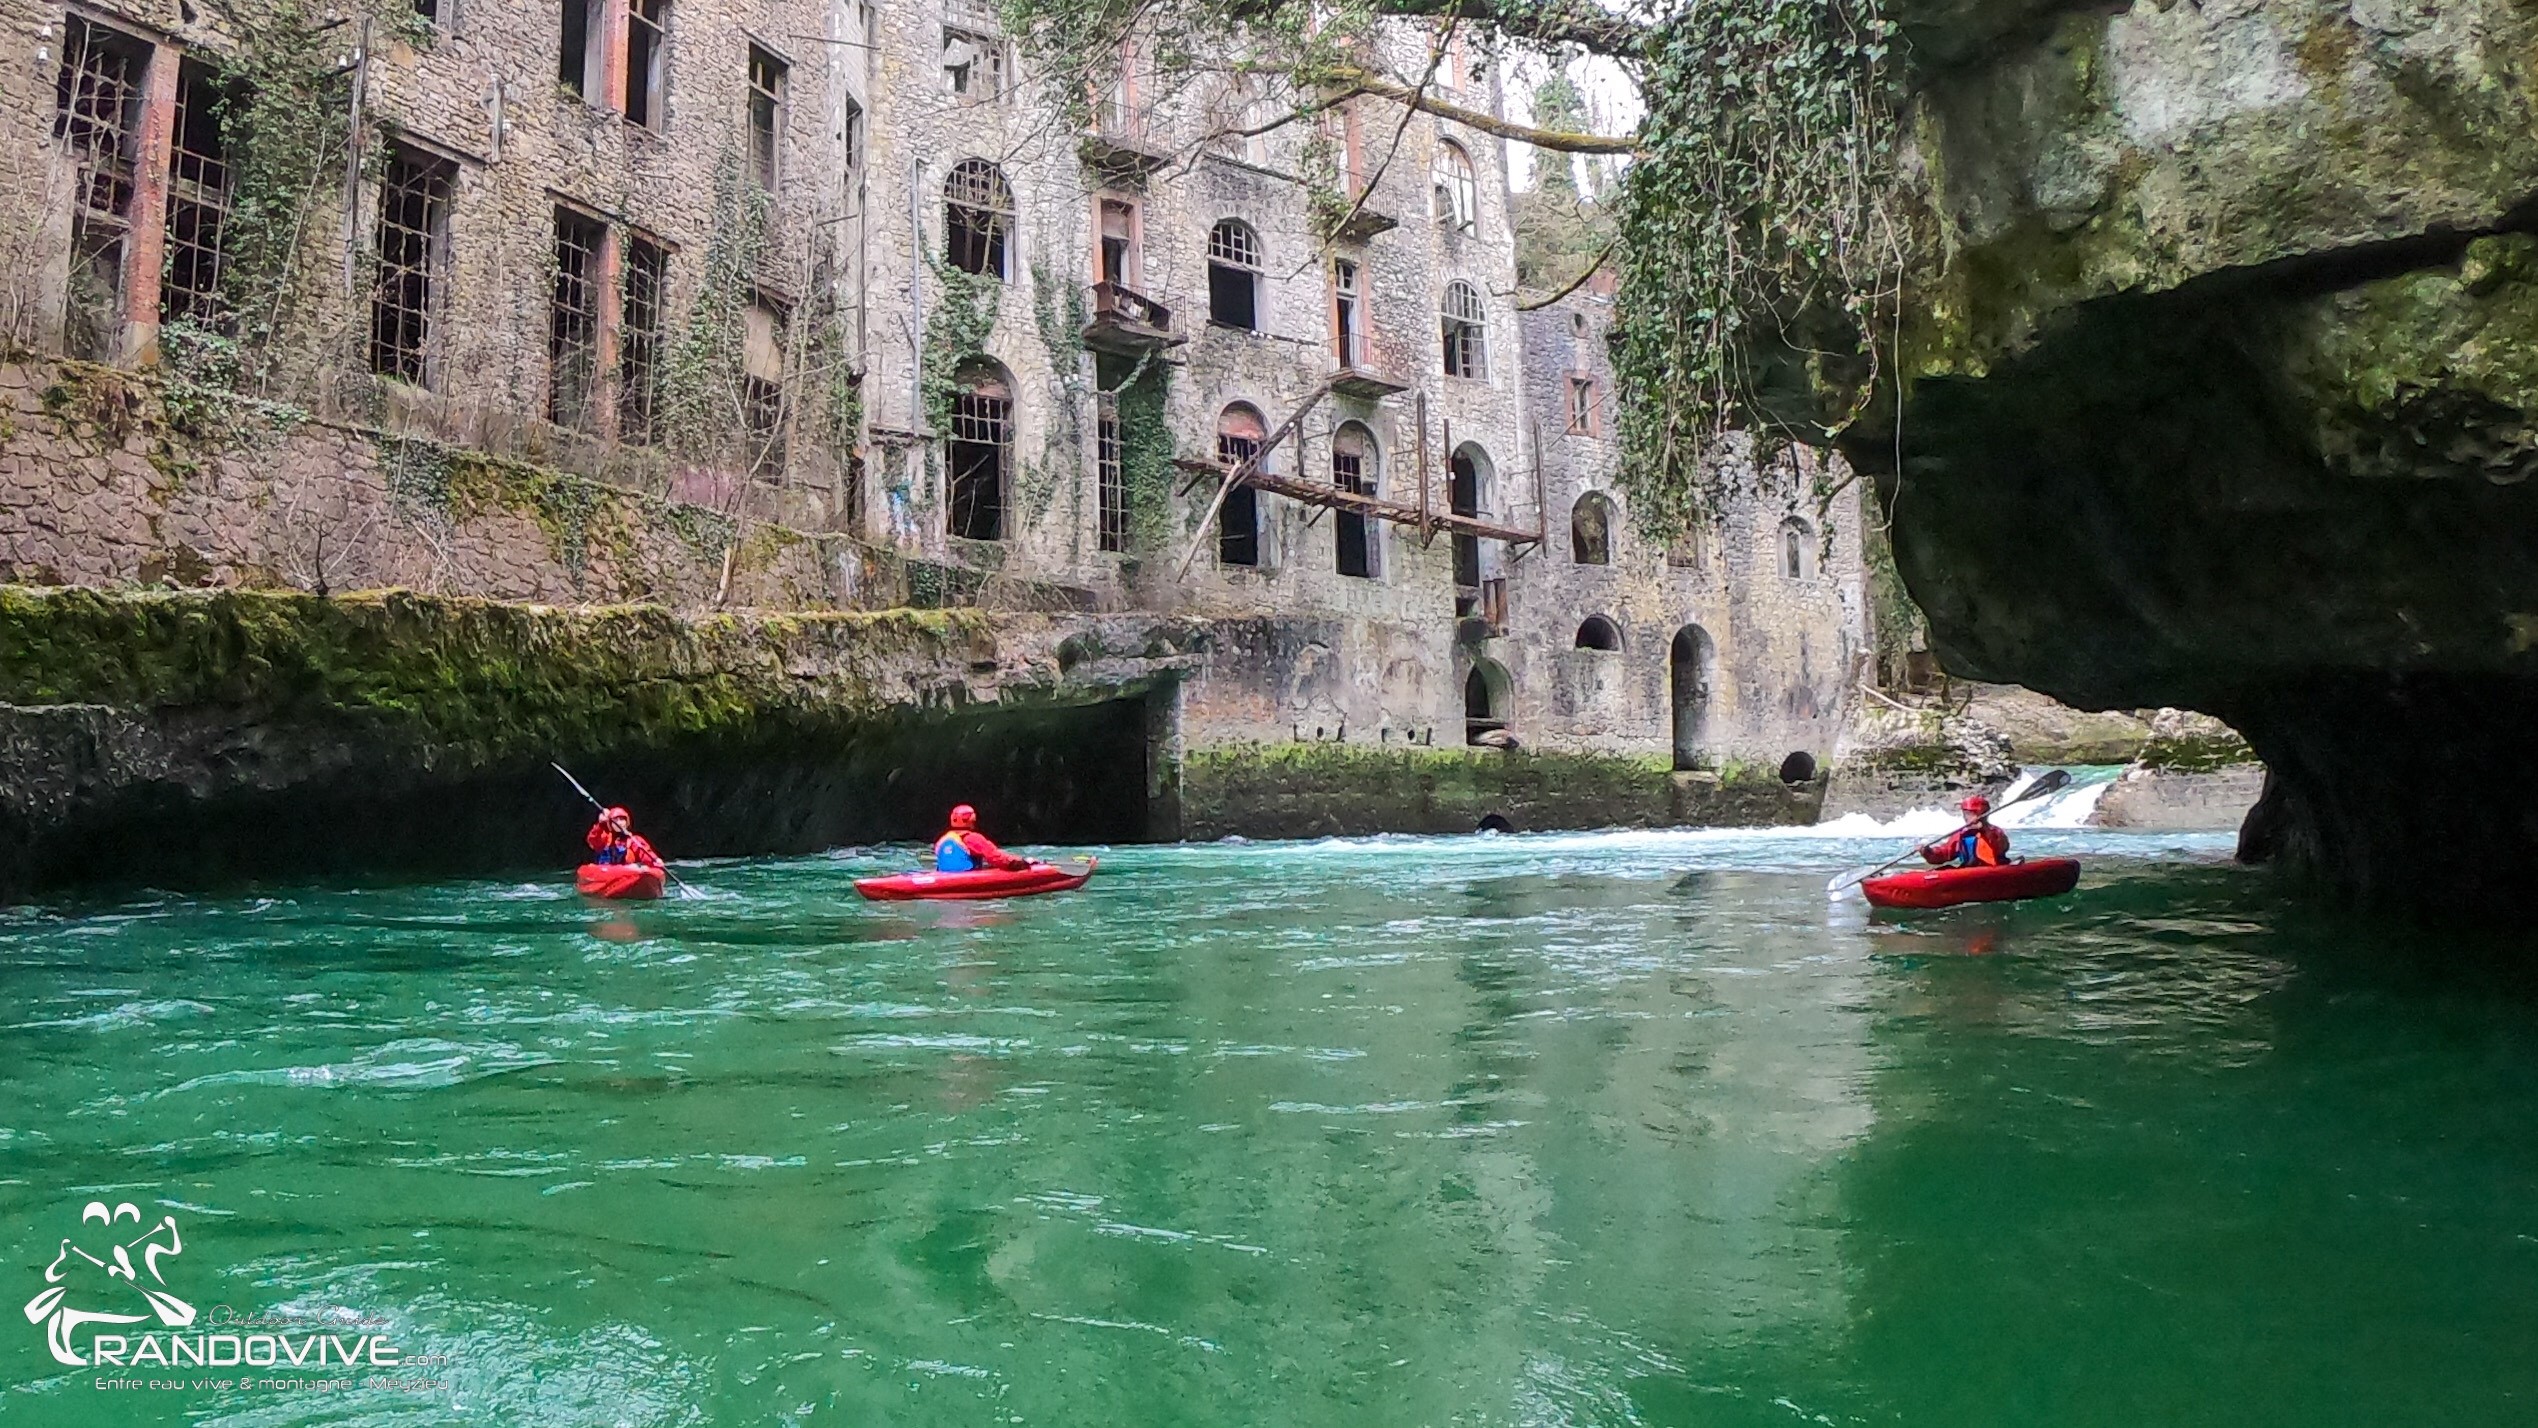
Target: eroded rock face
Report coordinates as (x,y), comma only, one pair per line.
(2222,392)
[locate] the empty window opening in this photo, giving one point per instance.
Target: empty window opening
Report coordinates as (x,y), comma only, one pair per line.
(1110,467)
(639,333)
(97,114)
(1597,633)
(1233,276)
(1353,469)
(572,325)
(1239,434)
(1464,325)
(579,62)
(1348,320)
(427,10)
(980,449)
(766,117)
(851,130)
(1118,254)
(647,55)
(197,201)
(1583,403)
(1457,194)
(1463,498)
(1591,530)
(1797,549)
(973,64)
(412,241)
(762,404)
(1691,664)
(1484,701)
(977,218)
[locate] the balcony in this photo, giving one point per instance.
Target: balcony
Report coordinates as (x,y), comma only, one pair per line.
(1122,150)
(1127,323)
(1356,376)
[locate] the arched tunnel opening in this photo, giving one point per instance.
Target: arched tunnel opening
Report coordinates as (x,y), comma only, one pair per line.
(1063,775)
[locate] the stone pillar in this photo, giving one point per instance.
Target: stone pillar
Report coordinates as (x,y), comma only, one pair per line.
(145,241)
(1163,761)
(608,273)
(612,54)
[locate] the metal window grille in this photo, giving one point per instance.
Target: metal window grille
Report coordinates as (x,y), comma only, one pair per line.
(982,422)
(1232,243)
(197,202)
(96,113)
(1464,328)
(639,338)
(977,217)
(766,115)
(1110,465)
(762,403)
(572,332)
(647,32)
(413,223)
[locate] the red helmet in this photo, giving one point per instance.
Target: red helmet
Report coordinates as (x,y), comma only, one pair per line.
(964,816)
(615,815)
(1977,804)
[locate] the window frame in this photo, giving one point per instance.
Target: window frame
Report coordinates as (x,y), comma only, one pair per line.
(1250,275)
(1463,329)
(769,89)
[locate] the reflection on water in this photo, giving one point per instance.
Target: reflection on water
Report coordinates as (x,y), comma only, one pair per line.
(1595,1129)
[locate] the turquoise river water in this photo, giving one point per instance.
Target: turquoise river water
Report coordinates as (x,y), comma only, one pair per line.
(1627,1128)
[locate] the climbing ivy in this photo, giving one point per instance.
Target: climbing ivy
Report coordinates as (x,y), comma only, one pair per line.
(956,329)
(703,402)
(1145,453)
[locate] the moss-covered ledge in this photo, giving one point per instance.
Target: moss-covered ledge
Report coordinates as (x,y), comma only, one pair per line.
(1305,790)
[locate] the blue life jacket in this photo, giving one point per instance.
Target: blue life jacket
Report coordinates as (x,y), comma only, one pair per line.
(1969,849)
(951,855)
(613,854)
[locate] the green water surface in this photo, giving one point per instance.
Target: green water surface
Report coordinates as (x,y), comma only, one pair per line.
(1597,1129)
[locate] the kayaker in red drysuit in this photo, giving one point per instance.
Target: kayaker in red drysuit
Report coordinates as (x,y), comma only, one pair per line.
(1977,845)
(613,840)
(963,849)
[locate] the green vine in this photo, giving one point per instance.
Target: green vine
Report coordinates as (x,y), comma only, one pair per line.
(956,330)
(703,382)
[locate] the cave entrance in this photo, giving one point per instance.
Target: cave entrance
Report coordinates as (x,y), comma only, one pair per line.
(1691,667)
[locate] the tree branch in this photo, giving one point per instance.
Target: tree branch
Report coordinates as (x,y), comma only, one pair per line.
(1583,23)
(1556,140)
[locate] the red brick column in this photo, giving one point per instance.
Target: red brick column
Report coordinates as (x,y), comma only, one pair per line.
(145,243)
(609,274)
(612,54)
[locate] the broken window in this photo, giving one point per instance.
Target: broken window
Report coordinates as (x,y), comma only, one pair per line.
(412,240)
(197,201)
(1591,530)
(639,337)
(977,218)
(578,61)
(1463,324)
(1797,549)
(1347,315)
(1582,404)
(762,386)
(852,132)
(1110,466)
(979,450)
(1457,195)
(1118,253)
(1353,471)
(647,60)
(97,114)
(428,11)
(1239,434)
(1233,276)
(766,116)
(572,321)
(973,63)
(1463,498)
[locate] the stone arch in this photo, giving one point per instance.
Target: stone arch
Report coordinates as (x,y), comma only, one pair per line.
(1692,672)
(1240,430)
(978,450)
(1595,632)
(1591,529)
(1356,466)
(1488,697)
(1468,476)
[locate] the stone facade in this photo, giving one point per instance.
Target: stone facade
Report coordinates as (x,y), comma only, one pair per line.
(917,336)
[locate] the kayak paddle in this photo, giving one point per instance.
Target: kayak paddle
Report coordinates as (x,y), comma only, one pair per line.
(684,889)
(2052,779)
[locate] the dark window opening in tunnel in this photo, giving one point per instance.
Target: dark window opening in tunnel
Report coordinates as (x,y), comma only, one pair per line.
(1062,777)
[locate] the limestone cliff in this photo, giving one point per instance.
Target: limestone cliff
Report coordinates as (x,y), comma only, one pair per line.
(2221,391)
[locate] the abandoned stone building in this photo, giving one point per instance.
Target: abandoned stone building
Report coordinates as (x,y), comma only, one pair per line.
(851,275)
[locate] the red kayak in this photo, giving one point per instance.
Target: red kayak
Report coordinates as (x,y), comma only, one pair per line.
(1946,887)
(619,879)
(975,886)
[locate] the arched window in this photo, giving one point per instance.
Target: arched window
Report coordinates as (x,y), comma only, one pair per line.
(1591,529)
(1464,324)
(978,451)
(1239,434)
(1467,480)
(1457,195)
(1797,549)
(1691,670)
(1233,275)
(1597,633)
(1485,701)
(1354,465)
(977,219)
